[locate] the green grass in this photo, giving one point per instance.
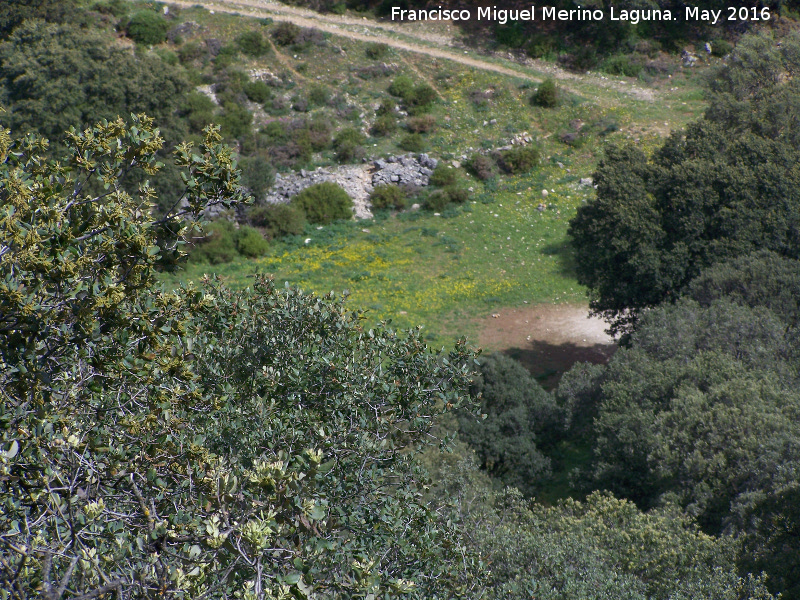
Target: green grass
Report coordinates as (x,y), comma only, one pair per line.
(446,272)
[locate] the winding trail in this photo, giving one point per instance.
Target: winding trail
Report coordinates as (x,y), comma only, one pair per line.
(427,43)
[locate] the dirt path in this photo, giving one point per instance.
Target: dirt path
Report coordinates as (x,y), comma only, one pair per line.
(429,44)
(548,339)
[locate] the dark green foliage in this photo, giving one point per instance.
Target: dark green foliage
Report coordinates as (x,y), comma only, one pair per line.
(191,51)
(384,125)
(376,50)
(147,27)
(217,244)
(278,220)
(388,196)
(518,410)
(443,175)
(257,91)
(14,12)
(700,408)
(319,95)
(421,98)
(721,47)
(602,548)
(402,87)
(547,95)
(324,202)
(510,35)
(250,242)
(200,440)
(622,64)
(286,34)
(759,279)
(198,109)
(348,145)
(413,142)
(235,120)
(253,43)
(481,166)
(56,77)
(257,175)
(439,199)
(522,159)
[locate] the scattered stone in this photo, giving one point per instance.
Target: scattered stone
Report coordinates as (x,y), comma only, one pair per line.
(586,181)
(493,122)
(415,206)
(213,45)
(183,30)
(541,207)
(560,165)
(456,164)
(545,193)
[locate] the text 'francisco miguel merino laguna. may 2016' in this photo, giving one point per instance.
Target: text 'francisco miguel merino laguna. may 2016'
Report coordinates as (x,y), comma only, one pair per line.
(551,13)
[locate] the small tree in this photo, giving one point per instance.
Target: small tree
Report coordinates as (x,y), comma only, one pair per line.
(547,95)
(324,202)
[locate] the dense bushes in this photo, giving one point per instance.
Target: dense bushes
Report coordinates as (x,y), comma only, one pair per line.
(522,159)
(278,220)
(722,188)
(388,196)
(547,95)
(223,242)
(481,166)
(417,98)
(147,27)
(253,43)
(348,145)
(324,202)
(518,411)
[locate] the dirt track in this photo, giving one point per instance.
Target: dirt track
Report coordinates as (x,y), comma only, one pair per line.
(430,44)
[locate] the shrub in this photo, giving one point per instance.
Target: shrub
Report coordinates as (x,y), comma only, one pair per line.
(376,50)
(257,175)
(388,196)
(413,142)
(443,176)
(253,43)
(147,27)
(286,34)
(519,160)
(257,91)
(402,87)
(250,242)
(348,144)
(547,94)
(422,97)
(423,124)
(324,202)
(436,201)
(387,107)
(384,125)
(319,95)
(191,51)
(235,120)
(300,103)
(319,134)
(198,110)
(720,48)
(278,220)
(456,194)
(481,166)
(622,64)
(217,246)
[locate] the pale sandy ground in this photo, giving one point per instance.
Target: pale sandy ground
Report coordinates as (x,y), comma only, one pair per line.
(547,338)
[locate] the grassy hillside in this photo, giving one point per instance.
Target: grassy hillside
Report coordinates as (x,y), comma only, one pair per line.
(498,249)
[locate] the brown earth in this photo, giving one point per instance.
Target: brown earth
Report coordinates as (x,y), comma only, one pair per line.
(547,338)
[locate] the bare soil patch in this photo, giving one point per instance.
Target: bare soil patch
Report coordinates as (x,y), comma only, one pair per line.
(547,338)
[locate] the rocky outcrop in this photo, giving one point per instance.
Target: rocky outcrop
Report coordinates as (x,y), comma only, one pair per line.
(358,181)
(404,170)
